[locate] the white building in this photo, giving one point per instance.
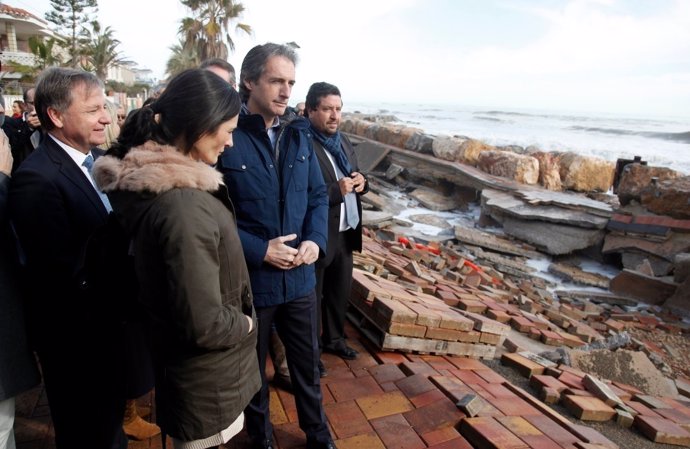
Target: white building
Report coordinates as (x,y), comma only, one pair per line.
(16,27)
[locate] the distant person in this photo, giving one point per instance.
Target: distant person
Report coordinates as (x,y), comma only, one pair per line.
(121,115)
(55,207)
(345,184)
(276,186)
(222,68)
(194,283)
(24,133)
(299,109)
(18,108)
(18,371)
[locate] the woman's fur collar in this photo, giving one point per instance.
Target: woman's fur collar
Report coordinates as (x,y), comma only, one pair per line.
(154,168)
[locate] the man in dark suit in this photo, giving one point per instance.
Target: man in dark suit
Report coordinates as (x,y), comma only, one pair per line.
(54,208)
(345,185)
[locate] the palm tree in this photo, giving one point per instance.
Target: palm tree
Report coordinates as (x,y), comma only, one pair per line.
(101,51)
(182,58)
(43,50)
(208,31)
(69,17)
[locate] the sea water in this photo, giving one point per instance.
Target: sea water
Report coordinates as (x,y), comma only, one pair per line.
(661,141)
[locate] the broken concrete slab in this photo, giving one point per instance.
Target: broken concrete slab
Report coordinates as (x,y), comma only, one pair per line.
(500,204)
(648,289)
(552,238)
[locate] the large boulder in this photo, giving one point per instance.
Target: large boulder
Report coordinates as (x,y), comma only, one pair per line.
(670,197)
(389,134)
(361,127)
(586,173)
(549,169)
(420,142)
(636,177)
(447,147)
(521,168)
(471,149)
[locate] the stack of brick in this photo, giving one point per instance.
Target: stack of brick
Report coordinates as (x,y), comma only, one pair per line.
(661,419)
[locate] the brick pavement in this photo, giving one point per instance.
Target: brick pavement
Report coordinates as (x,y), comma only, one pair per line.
(381,400)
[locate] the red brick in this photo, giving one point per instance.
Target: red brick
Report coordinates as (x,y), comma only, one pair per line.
(366,441)
(440,435)
(379,405)
(468,376)
(457,443)
(661,430)
(433,416)
(344,390)
(466,363)
(438,362)
(346,419)
(641,409)
(288,401)
(540,442)
(539,380)
(412,368)
(514,406)
(677,416)
(499,391)
(524,366)
(386,373)
(571,380)
(452,387)
(427,398)
(395,431)
(588,408)
(490,376)
(415,385)
(551,428)
(289,436)
(487,433)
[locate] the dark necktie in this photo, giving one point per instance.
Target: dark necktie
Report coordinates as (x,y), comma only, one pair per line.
(88,163)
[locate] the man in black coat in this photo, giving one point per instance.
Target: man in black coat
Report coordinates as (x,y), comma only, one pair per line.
(18,371)
(54,208)
(345,184)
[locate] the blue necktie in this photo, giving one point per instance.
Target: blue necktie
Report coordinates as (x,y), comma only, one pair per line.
(350,199)
(88,163)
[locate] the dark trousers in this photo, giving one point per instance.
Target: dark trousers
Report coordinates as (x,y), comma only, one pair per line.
(76,368)
(296,323)
(333,286)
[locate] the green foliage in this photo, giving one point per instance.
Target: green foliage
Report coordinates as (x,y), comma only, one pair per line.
(131,91)
(100,50)
(206,34)
(44,52)
(70,17)
(182,58)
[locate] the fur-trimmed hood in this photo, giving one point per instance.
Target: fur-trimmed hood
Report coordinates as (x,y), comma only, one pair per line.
(154,168)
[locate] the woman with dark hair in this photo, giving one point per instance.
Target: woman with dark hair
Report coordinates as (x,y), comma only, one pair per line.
(188,257)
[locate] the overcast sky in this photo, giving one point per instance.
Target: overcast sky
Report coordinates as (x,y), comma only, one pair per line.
(620,56)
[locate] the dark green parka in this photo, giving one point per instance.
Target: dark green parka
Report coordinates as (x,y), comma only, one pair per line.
(194,284)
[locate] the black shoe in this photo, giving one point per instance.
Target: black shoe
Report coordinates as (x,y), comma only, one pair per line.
(344,352)
(283,382)
(322,369)
(321,445)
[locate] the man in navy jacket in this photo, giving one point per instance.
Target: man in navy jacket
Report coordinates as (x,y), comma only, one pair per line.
(280,199)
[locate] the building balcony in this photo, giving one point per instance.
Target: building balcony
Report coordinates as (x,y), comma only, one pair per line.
(18,57)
